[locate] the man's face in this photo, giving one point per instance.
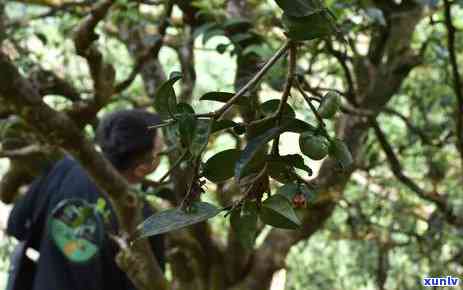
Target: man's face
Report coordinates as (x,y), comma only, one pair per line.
(158,145)
(147,167)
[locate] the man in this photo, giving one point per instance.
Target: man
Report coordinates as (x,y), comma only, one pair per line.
(127,142)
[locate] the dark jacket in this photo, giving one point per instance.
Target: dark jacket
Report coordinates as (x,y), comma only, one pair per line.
(66,180)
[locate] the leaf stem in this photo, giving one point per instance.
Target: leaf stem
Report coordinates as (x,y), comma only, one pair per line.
(312,107)
(177,163)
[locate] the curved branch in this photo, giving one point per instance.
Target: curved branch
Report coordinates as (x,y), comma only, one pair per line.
(397,170)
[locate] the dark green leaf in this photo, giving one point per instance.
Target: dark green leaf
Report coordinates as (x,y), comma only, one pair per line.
(280,171)
(222,125)
(42,37)
(165,99)
(219,167)
(289,191)
(296,125)
(288,124)
(309,27)
(174,219)
(252,148)
(270,107)
(210,33)
(204,28)
(236,23)
(186,123)
(239,37)
(224,97)
(184,108)
(299,8)
(294,160)
(187,128)
(278,212)
(244,223)
(201,136)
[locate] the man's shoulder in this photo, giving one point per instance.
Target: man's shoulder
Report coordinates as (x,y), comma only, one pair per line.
(72,177)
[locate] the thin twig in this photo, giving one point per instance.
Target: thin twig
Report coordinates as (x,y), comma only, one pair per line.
(219,113)
(176,163)
(160,125)
(286,93)
(312,107)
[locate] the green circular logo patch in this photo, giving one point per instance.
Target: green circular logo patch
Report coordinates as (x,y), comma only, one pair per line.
(76,229)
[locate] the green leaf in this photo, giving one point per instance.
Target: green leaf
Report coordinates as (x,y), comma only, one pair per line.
(289,191)
(165,99)
(236,23)
(219,167)
(295,160)
(210,33)
(224,97)
(252,148)
(222,125)
(278,212)
(244,223)
(296,125)
(299,8)
(187,129)
(280,171)
(341,153)
(289,124)
(270,107)
(329,105)
(316,25)
(174,219)
(204,28)
(186,123)
(201,136)
(184,108)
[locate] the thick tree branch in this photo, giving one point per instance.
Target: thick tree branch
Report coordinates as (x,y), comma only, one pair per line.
(457,82)
(151,53)
(103,74)
(48,83)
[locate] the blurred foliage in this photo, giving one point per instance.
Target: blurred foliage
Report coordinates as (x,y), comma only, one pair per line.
(376,212)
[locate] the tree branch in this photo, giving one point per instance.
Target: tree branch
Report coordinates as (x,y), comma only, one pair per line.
(397,170)
(59,130)
(457,82)
(151,53)
(220,112)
